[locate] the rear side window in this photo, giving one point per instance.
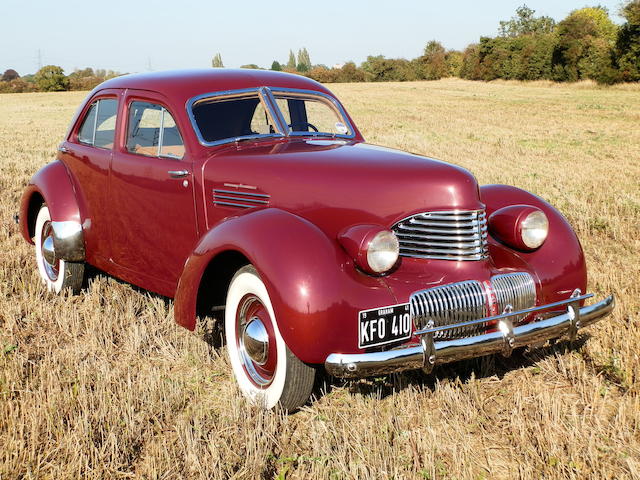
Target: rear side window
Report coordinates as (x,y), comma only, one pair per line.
(153,132)
(99,125)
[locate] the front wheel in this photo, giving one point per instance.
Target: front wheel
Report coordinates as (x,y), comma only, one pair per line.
(57,274)
(267,372)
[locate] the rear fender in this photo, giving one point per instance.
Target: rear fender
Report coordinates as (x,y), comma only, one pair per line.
(52,185)
(314,287)
(559,263)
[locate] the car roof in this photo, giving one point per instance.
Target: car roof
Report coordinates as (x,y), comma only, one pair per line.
(181,85)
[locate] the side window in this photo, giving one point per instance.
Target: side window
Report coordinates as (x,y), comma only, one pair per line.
(85,135)
(105,123)
(99,125)
(153,132)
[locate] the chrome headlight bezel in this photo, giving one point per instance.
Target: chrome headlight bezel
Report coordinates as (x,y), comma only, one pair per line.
(374,248)
(522,227)
(383,251)
(534,229)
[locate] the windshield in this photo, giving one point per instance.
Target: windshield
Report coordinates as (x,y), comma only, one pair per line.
(306,114)
(242,116)
(265,112)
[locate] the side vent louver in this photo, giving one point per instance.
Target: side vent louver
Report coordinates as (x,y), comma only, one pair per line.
(230,198)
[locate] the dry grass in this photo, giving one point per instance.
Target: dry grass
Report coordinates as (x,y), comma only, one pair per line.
(104,385)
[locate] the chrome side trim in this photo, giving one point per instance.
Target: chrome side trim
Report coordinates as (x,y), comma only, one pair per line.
(236,192)
(429,353)
(68,241)
(241,199)
(256,201)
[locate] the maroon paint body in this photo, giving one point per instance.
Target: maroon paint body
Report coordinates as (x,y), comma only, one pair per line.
(151,230)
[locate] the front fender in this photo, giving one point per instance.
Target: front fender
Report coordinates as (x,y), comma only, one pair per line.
(52,185)
(314,287)
(559,263)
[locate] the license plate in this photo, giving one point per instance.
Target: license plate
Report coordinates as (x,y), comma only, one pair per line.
(379,326)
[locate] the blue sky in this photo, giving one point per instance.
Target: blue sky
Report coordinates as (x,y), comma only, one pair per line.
(136,36)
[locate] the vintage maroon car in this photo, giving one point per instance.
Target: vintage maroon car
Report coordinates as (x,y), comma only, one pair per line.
(252,196)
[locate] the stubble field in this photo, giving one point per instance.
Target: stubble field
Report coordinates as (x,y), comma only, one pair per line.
(105,385)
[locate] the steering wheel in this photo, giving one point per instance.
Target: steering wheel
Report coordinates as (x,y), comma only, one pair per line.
(303,125)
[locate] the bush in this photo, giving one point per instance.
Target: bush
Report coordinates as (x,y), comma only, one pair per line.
(584,47)
(17,85)
(9,74)
(380,69)
(433,63)
(51,79)
(627,49)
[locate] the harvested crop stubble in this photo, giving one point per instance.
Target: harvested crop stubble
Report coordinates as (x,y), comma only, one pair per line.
(104,385)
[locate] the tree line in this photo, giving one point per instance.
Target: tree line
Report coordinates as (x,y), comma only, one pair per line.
(51,78)
(586,44)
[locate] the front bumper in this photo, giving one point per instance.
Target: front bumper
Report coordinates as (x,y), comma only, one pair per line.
(504,339)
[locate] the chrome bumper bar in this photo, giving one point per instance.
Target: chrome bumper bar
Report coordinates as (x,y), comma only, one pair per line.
(428,353)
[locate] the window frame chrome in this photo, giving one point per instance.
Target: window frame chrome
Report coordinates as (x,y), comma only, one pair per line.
(314,93)
(268,100)
(83,118)
(229,94)
(163,110)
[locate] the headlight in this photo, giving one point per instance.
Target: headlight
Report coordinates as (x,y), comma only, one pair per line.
(374,249)
(522,227)
(383,251)
(535,228)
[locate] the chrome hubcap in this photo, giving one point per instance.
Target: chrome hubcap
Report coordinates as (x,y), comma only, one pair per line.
(48,251)
(49,261)
(255,341)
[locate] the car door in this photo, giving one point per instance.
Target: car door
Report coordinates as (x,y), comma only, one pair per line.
(153,224)
(87,153)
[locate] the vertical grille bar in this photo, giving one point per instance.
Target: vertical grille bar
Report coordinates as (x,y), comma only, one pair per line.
(515,289)
(459,302)
(448,305)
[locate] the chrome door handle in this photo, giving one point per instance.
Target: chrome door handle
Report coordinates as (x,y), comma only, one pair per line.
(178,173)
(64,149)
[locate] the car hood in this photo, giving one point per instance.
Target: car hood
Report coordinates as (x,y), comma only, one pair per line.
(335,184)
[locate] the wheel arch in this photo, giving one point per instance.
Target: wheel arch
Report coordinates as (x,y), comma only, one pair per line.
(559,263)
(313,286)
(33,205)
(51,185)
(216,279)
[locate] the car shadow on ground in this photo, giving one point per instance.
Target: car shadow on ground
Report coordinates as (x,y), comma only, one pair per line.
(210,331)
(461,372)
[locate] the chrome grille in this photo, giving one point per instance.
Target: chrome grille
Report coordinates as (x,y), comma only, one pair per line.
(454,235)
(230,198)
(464,301)
(515,289)
(449,304)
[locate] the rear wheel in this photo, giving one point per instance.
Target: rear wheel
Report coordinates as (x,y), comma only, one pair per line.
(57,274)
(267,372)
